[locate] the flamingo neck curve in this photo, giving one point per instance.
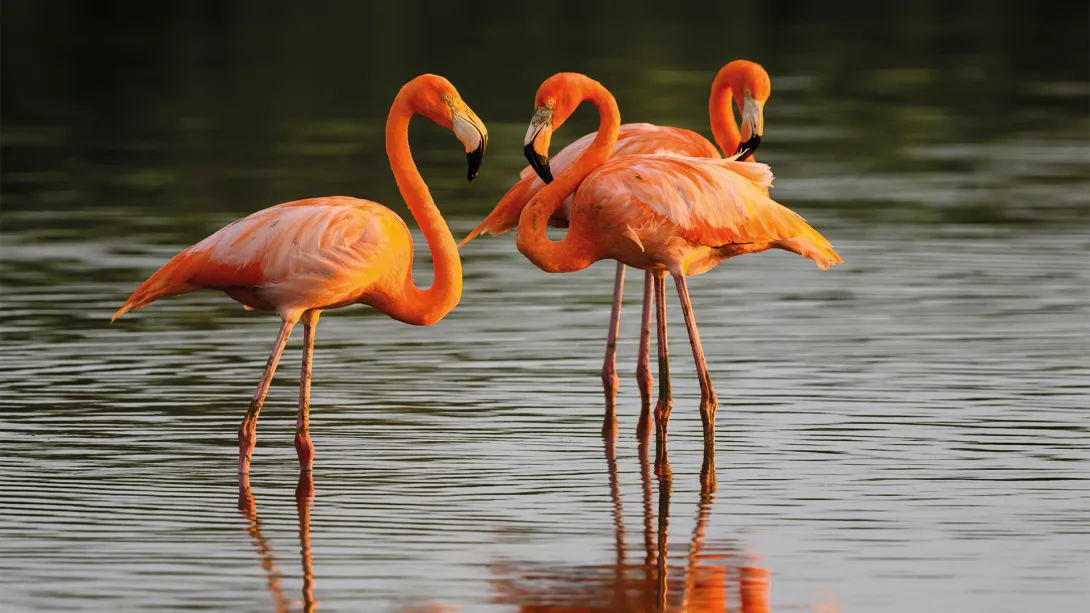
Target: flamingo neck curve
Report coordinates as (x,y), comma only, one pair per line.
(573,252)
(414,305)
(721,112)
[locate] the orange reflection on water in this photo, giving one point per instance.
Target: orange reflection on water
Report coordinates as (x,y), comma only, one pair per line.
(716,577)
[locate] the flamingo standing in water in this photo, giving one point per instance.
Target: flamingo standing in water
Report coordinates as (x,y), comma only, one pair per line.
(301,258)
(662,213)
(745,82)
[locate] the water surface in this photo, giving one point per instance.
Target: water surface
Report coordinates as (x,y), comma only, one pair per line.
(904,432)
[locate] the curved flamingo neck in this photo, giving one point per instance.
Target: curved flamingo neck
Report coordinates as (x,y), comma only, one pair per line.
(414,305)
(724,126)
(574,251)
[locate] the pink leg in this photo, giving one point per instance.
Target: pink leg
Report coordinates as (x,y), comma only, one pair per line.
(247,432)
(643,366)
(708,400)
(303,447)
(610,380)
(665,402)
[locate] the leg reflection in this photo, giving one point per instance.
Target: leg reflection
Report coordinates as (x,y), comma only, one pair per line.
(713,575)
(666,485)
(620,596)
(304,496)
(248,506)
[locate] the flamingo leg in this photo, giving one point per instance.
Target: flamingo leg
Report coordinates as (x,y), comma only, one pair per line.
(247,432)
(643,365)
(708,399)
(665,402)
(303,446)
(610,380)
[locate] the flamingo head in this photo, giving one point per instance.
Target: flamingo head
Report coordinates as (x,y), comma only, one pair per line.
(750,86)
(556,100)
(435,98)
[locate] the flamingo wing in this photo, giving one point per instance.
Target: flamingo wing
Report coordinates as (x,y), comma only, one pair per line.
(634,138)
(709,202)
(306,253)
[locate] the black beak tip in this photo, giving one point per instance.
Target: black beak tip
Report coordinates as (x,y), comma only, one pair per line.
(539,163)
(474,158)
(746,149)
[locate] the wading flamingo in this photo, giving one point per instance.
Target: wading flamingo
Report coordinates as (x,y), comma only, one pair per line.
(300,258)
(662,213)
(748,85)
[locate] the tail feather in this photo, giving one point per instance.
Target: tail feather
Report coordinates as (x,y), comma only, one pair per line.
(506,214)
(809,243)
(170,280)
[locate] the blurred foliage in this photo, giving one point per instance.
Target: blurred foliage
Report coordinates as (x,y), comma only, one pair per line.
(135,114)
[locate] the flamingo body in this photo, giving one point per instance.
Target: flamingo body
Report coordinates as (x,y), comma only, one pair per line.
(318,253)
(684,215)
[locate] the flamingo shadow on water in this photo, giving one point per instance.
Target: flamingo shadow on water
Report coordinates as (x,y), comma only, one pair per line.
(304,499)
(716,575)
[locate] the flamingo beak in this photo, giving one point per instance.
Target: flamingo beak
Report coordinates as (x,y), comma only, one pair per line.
(474,135)
(474,158)
(536,144)
(753,123)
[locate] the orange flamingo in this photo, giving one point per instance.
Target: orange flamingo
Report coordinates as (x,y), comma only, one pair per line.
(301,258)
(749,86)
(662,213)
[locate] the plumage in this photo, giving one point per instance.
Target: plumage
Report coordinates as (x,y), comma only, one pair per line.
(314,253)
(717,204)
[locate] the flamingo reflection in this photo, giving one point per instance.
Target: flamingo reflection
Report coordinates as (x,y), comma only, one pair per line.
(715,576)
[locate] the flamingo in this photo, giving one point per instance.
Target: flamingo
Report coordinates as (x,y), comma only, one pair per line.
(662,213)
(748,84)
(301,258)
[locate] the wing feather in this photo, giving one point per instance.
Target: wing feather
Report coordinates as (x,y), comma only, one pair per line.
(711,202)
(308,250)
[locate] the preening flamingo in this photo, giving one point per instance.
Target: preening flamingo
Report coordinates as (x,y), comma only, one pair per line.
(748,85)
(301,258)
(662,213)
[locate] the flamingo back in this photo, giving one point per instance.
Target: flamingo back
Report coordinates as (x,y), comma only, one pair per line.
(307,253)
(634,138)
(709,202)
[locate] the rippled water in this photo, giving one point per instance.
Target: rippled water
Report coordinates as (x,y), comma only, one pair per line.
(905,432)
